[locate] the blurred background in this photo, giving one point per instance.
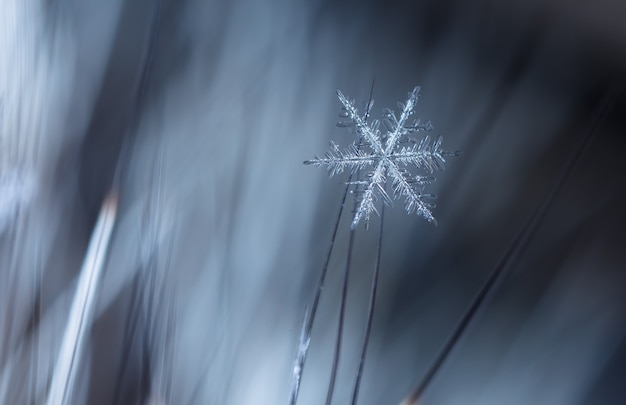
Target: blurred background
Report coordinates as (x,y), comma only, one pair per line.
(200,114)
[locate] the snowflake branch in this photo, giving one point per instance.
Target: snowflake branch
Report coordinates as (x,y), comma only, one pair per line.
(399,130)
(337,160)
(370,134)
(366,206)
(414,202)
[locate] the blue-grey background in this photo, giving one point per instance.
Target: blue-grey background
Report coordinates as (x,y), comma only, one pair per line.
(222,230)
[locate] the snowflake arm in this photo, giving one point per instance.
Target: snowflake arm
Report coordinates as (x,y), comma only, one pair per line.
(370,133)
(410,188)
(423,156)
(337,160)
(398,125)
(373,186)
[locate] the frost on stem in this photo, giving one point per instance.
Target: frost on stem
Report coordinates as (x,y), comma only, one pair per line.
(389,155)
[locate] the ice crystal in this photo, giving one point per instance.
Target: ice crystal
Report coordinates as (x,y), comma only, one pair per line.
(389,155)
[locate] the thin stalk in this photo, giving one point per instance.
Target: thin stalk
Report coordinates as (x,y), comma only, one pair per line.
(130,330)
(307,326)
(134,113)
(37,311)
(309,320)
(507,261)
(342,313)
(370,310)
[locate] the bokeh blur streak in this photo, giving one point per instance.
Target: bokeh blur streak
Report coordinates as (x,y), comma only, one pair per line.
(221,231)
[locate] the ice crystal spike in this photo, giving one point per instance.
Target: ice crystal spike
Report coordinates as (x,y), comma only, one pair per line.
(388,156)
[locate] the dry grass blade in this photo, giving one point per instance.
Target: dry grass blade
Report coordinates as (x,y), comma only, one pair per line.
(512,254)
(82,307)
(370,311)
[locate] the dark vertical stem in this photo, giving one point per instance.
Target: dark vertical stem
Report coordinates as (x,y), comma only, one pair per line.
(370,310)
(305,335)
(136,107)
(130,330)
(342,313)
(512,253)
(344,290)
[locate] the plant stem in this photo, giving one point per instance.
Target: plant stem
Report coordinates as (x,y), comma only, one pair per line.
(309,320)
(370,310)
(342,313)
(512,253)
(307,327)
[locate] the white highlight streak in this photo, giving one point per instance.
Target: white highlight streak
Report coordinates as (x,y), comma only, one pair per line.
(82,307)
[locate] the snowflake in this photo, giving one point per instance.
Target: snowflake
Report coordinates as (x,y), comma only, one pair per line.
(389,155)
